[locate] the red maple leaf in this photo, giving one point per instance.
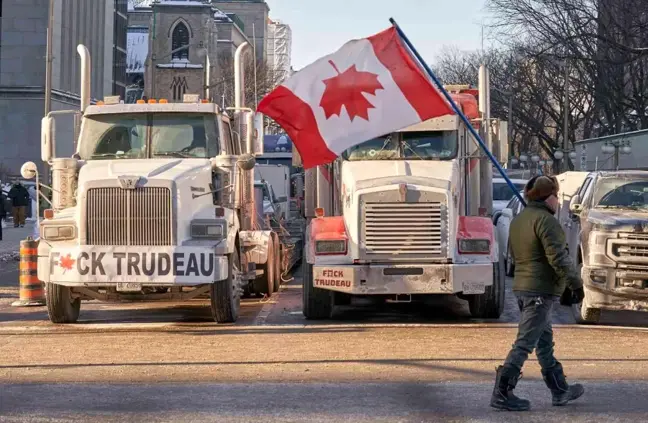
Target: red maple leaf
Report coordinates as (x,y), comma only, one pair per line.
(67,262)
(347,89)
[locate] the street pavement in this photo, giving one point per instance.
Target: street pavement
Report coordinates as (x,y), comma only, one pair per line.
(398,363)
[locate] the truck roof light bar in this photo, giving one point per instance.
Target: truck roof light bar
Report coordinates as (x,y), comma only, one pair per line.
(190,98)
(112,99)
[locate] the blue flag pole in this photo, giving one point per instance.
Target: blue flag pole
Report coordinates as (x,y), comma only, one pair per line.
(457,110)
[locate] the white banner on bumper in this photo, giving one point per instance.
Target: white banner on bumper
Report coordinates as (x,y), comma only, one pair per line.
(142,264)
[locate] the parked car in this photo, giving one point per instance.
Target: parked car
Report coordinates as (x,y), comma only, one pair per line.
(609,232)
(502,222)
(502,193)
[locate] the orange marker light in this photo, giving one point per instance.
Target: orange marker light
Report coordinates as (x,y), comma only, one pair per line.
(141,102)
(152,101)
(204,100)
(164,101)
(48,213)
(100,103)
(319,212)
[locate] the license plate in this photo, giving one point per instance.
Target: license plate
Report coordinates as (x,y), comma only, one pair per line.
(129,287)
(474,288)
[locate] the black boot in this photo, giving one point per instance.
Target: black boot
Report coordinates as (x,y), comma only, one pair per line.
(561,391)
(503,397)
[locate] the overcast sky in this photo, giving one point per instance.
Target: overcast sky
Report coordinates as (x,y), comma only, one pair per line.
(321,27)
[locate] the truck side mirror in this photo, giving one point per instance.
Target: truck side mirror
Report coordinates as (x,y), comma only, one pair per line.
(256,133)
(576,208)
(575,204)
(246,161)
(48,131)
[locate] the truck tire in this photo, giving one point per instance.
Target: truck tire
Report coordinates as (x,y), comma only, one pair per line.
(318,303)
(264,284)
(509,263)
(585,315)
(490,304)
(61,307)
(225,298)
(278,261)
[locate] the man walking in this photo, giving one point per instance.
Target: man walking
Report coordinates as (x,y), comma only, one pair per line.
(543,269)
(19,200)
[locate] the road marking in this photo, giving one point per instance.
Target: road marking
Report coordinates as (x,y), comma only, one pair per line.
(8,328)
(267,308)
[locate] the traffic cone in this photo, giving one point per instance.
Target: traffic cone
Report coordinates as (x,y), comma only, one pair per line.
(31,289)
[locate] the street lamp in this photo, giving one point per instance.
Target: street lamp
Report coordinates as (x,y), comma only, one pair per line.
(558,154)
(535,158)
(616,147)
(514,161)
(523,157)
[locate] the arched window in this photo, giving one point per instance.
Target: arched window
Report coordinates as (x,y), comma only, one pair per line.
(180,38)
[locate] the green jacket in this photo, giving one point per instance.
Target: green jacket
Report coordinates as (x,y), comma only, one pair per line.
(537,243)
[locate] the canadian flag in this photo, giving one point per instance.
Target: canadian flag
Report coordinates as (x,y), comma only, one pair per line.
(368,88)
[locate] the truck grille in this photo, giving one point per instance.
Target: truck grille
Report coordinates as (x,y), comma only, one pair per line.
(140,216)
(405,229)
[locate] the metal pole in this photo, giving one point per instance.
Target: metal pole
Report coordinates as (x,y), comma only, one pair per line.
(457,110)
(207,75)
(509,129)
(566,119)
(256,95)
(48,68)
(616,157)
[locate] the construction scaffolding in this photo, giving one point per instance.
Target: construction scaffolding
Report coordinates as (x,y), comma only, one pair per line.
(279,48)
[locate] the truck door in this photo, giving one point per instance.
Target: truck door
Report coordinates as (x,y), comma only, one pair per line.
(573,225)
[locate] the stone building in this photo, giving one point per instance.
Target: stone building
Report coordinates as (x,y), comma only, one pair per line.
(99,24)
(254,15)
(170,71)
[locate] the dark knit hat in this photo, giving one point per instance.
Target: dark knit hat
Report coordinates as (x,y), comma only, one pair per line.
(539,188)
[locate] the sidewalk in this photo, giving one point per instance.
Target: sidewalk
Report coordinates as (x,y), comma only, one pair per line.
(11,238)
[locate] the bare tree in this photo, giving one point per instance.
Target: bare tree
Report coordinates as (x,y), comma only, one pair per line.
(255,88)
(603,44)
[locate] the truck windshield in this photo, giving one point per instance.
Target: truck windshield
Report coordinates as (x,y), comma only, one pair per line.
(621,193)
(428,145)
(147,135)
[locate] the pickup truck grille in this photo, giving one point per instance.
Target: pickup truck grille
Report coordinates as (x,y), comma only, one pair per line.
(140,216)
(405,229)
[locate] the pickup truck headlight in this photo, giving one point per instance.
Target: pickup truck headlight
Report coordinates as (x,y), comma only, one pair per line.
(58,232)
(474,246)
(323,248)
(208,230)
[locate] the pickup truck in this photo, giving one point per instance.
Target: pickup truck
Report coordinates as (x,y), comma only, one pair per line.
(607,231)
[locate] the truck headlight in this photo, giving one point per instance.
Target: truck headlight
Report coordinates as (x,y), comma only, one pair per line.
(331,247)
(209,230)
(474,246)
(58,232)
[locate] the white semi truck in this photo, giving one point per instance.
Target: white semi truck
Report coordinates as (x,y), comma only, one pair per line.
(405,215)
(157,203)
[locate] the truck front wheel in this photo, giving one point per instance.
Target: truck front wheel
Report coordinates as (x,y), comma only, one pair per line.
(265,283)
(225,296)
(585,315)
(490,304)
(62,307)
(318,303)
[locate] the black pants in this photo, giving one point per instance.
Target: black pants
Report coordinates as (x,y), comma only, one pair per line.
(534,332)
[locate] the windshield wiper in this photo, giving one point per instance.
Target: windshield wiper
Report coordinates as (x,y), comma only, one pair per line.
(633,207)
(172,154)
(405,144)
(115,155)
